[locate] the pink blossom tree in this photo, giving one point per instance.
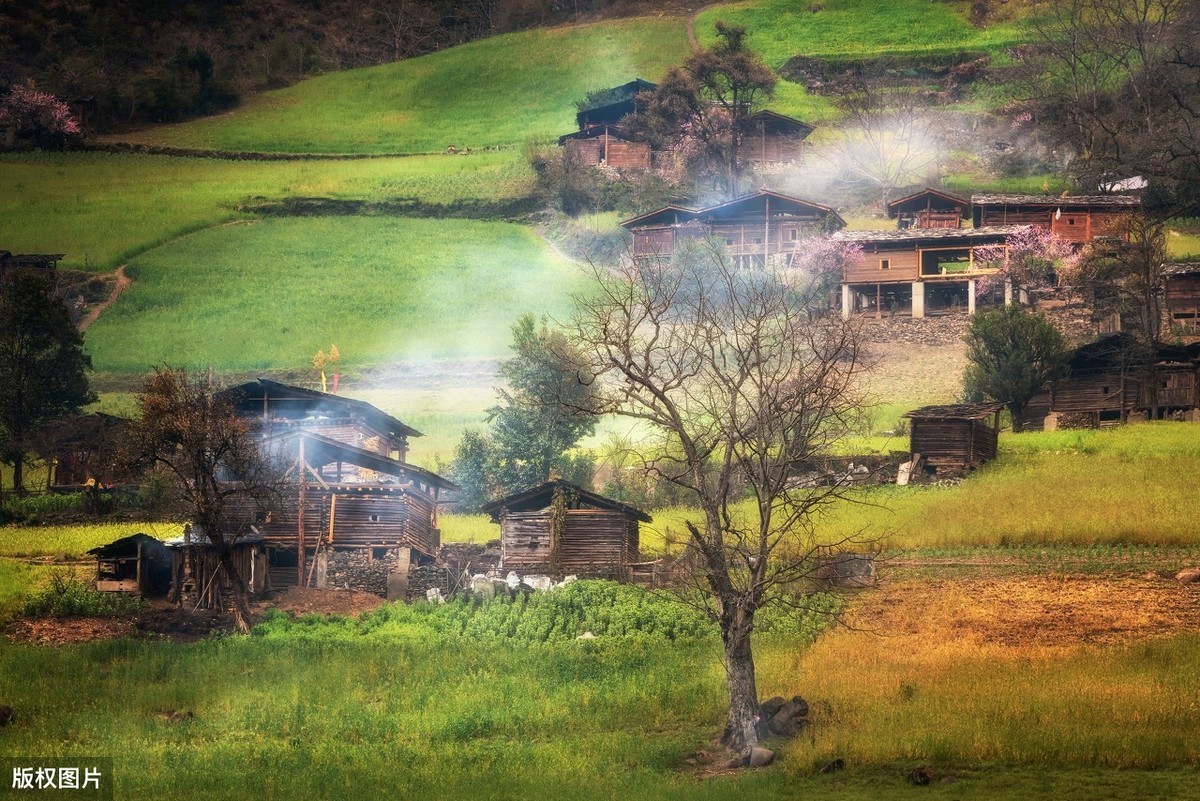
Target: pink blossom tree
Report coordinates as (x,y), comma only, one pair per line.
(36,116)
(1033,257)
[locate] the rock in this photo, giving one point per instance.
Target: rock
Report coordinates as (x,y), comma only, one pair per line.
(801,706)
(756,756)
(587,635)
(768,708)
(434,595)
(512,580)
(849,570)
(483,587)
(6,715)
(1189,576)
(539,583)
(834,766)
(785,725)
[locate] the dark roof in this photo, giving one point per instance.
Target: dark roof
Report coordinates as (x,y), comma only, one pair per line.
(998,232)
(126,546)
(778,123)
(596,131)
(1055,201)
(1121,350)
(617,94)
(678,214)
(298,403)
(917,202)
(541,497)
(955,411)
(321,450)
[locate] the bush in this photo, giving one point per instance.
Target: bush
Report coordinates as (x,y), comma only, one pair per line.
(67,596)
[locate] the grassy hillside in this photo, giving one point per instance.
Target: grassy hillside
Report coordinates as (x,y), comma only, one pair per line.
(499,91)
(101,209)
(269,293)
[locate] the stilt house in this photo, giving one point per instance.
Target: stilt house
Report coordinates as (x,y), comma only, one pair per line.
(560,528)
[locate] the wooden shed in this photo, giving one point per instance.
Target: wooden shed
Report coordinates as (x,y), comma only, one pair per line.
(608,145)
(769,137)
(958,436)
(137,564)
(929,208)
(560,528)
(1079,219)
(1182,296)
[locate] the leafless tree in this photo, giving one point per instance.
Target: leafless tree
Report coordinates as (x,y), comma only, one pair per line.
(739,380)
(216,465)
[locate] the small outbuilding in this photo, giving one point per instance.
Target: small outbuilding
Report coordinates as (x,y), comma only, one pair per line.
(138,564)
(958,436)
(560,528)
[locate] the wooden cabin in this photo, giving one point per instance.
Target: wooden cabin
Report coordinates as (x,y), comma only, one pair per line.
(758,228)
(334,496)
(274,408)
(1112,379)
(1079,219)
(959,436)
(929,208)
(768,137)
(562,529)
(919,271)
(1182,298)
(29,261)
(610,106)
(607,145)
(83,447)
(138,564)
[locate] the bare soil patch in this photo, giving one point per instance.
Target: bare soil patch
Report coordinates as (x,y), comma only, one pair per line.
(305,600)
(1030,610)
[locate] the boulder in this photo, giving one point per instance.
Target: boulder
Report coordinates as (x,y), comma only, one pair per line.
(801,706)
(768,708)
(920,776)
(849,570)
(756,756)
(539,583)
(482,586)
(397,586)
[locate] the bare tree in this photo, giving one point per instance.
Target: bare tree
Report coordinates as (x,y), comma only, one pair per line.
(739,380)
(216,466)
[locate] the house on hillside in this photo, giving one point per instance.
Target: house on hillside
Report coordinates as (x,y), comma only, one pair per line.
(1182,297)
(559,528)
(29,261)
(760,228)
(344,483)
(929,208)
(955,437)
(610,106)
(1112,380)
(599,138)
(1079,219)
(768,137)
(921,271)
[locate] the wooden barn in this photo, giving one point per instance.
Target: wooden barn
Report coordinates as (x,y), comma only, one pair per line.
(562,529)
(1182,298)
(959,436)
(758,228)
(137,564)
(929,208)
(919,271)
(610,106)
(606,145)
(771,138)
(1080,219)
(274,408)
(1112,379)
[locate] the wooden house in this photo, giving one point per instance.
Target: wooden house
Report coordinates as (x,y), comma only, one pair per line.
(919,271)
(768,137)
(1112,379)
(758,228)
(138,564)
(1080,219)
(608,145)
(274,408)
(959,436)
(929,208)
(1182,297)
(610,106)
(560,529)
(29,261)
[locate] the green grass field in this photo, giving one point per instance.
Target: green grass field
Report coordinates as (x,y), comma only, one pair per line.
(503,90)
(103,209)
(269,293)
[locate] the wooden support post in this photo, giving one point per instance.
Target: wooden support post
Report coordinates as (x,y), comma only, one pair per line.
(879,301)
(971,296)
(845,301)
(918,299)
(302,493)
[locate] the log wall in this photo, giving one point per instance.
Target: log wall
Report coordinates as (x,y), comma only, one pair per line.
(954,443)
(593,542)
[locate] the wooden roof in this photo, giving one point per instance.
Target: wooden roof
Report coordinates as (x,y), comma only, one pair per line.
(916,236)
(612,103)
(126,546)
(321,450)
(955,411)
(935,200)
(1055,201)
(297,404)
(540,497)
(596,131)
(780,205)
(774,122)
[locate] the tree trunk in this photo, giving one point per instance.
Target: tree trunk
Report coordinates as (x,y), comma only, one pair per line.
(743,727)
(241,609)
(19,474)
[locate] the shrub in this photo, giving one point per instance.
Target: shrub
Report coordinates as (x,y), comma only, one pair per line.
(67,596)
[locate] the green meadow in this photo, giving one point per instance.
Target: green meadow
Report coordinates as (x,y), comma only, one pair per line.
(268,293)
(500,91)
(103,209)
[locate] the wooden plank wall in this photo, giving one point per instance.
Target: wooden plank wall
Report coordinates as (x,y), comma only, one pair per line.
(653,242)
(594,542)
(525,541)
(954,443)
(756,147)
(1000,216)
(628,155)
(1102,392)
(904,266)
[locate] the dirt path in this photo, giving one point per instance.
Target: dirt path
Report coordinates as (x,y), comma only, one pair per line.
(123,283)
(691,27)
